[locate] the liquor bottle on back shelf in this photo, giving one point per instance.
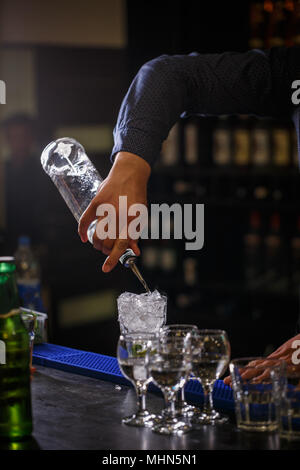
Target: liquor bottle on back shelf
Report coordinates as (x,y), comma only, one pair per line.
(171,147)
(28,276)
(281,144)
(277,25)
(241,142)
(257,25)
(261,143)
(222,142)
(191,143)
(15,394)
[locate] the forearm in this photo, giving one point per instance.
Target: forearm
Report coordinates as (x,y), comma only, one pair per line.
(169,86)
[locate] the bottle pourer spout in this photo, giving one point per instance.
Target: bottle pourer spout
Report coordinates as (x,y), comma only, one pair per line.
(128,260)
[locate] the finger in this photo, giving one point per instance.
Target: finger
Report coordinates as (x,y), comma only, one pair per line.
(85,221)
(134,246)
(120,246)
(227,380)
(260,378)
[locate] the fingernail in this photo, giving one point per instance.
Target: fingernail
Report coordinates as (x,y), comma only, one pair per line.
(106,268)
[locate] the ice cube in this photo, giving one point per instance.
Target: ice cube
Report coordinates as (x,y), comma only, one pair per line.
(142,312)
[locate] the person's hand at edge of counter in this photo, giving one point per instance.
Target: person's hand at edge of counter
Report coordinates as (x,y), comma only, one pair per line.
(286,352)
(128,177)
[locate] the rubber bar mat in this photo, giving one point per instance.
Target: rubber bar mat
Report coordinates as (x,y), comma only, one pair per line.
(106,368)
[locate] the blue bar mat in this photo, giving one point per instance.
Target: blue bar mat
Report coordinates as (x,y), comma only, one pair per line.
(106,368)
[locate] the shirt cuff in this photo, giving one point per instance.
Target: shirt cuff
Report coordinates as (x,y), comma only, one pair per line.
(137,141)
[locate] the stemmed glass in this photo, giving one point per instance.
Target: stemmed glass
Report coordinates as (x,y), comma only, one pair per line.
(210,359)
(132,355)
(170,367)
(182,407)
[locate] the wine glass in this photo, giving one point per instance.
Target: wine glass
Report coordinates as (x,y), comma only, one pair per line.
(170,367)
(210,359)
(182,407)
(132,354)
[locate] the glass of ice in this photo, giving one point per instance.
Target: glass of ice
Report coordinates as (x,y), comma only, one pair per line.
(141,312)
(133,352)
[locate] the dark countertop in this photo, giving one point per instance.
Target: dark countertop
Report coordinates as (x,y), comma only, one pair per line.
(73,412)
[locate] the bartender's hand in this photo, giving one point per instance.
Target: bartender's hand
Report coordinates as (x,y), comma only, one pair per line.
(288,352)
(128,177)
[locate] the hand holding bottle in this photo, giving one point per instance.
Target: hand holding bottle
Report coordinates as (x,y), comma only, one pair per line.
(128,177)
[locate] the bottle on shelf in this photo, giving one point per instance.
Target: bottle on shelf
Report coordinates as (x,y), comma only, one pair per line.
(170,153)
(296,25)
(281,145)
(261,143)
(222,142)
(257,25)
(277,25)
(15,392)
(191,143)
(28,275)
(241,142)
(190,271)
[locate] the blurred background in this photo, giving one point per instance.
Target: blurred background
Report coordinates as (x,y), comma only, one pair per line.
(67,66)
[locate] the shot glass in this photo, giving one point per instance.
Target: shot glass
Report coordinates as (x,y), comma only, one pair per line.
(289,406)
(257,384)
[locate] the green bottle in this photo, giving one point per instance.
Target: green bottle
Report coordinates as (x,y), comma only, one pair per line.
(15,396)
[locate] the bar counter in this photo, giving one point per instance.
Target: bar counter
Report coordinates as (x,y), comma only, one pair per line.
(74,412)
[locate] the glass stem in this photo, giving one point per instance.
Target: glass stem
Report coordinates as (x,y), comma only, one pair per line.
(141,398)
(208,406)
(170,399)
(181,397)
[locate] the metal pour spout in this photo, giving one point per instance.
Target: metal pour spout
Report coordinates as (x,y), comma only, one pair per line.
(136,271)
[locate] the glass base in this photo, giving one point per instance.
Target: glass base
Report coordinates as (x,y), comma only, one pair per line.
(144,419)
(171,426)
(212,418)
(186,410)
(257,427)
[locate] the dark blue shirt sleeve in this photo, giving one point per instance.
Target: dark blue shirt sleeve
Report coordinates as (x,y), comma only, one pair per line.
(255,82)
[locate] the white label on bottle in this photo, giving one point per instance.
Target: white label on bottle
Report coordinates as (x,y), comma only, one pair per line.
(260,154)
(170,147)
(2,352)
(191,143)
(221,147)
(281,146)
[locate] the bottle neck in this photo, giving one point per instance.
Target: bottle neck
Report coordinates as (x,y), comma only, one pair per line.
(9,298)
